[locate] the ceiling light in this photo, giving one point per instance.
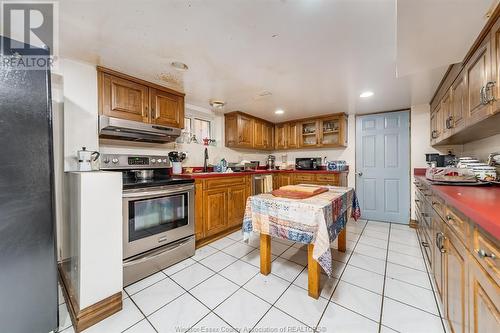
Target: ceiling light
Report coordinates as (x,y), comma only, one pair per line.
(217,104)
(179,65)
(279,111)
(365,94)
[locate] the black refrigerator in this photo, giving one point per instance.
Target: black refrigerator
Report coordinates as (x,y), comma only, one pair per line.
(28,270)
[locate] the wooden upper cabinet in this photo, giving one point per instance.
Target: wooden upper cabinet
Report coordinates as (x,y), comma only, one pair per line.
(166,108)
(281,136)
(495,66)
(245,131)
(309,134)
(268,136)
(459,102)
(292,140)
(122,98)
(447,116)
(332,131)
(125,97)
(478,75)
(258,135)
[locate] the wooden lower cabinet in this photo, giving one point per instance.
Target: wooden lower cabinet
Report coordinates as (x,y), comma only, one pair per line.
(237,199)
(215,211)
(456,276)
(484,300)
(464,270)
(219,206)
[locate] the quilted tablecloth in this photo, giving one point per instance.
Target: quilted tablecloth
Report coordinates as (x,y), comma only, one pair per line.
(316,220)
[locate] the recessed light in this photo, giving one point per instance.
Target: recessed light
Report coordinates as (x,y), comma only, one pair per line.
(279,111)
(365,94)
(179,65)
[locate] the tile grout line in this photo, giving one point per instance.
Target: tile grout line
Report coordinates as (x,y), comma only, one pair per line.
(239,287)
(385,277)
(342,273)
(140,310)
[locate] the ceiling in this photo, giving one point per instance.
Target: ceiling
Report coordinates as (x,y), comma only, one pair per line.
(313,57)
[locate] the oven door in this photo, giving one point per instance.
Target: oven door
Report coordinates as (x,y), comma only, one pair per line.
(156,216)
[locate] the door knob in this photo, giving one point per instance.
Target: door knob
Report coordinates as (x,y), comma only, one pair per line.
(359,173)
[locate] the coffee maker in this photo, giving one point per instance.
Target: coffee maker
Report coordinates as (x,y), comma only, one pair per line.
(271,162)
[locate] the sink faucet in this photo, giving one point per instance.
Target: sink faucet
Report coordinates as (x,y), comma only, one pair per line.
(205,166)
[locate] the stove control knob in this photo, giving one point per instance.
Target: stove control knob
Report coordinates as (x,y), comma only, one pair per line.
(106,160)
(164,160)
(114,160)
(153,160)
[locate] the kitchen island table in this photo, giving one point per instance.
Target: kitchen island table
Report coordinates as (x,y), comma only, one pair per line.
(316,221)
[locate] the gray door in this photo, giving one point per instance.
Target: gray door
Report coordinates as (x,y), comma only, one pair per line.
(383,166)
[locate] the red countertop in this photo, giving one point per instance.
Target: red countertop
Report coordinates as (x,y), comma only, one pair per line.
(196,175)
(481,204)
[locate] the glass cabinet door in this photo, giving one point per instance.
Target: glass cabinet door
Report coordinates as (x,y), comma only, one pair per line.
(309,134)
(330,132)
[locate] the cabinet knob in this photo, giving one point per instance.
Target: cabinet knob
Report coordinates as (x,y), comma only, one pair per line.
(483,254)
(450,219)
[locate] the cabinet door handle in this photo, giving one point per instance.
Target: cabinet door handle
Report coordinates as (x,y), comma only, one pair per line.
(450,219)
(434,134)
(425,244)
(483,254)
(482,96)
(449,122)
(488,94)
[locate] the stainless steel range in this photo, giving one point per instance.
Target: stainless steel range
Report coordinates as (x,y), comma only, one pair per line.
(158,214)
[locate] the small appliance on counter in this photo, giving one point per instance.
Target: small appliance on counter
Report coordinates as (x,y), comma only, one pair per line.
(437,160)
(308,163)
(176,158)
(86,158)
(158,214)
(271,162)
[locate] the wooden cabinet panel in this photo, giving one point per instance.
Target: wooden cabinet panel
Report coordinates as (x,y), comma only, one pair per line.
(245,131)
(268,136)
(231,130)
(437,239)
(293,136)
(166,108)
(478,72)
(285,179)
(237,198)
(258,135)
(214,210)
(328,179)
(122,98)
(224,182)
(303,178)
(281,136)
(458,224)
(198,212)
(447,116)
(308,134)
(487,253)
(484,300)
(456,276)
(459,102)
(331,131)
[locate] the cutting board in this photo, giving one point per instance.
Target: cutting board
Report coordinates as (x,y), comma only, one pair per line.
(294,194)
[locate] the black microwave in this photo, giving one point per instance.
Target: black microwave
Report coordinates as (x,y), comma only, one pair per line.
(308,163)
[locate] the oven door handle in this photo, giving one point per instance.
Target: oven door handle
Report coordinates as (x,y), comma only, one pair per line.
(142,194)
(154,254)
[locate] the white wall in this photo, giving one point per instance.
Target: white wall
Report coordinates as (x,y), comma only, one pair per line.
(80,109)
(419,143)
(482,148)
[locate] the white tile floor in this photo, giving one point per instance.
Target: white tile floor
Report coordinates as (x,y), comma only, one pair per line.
(381,284)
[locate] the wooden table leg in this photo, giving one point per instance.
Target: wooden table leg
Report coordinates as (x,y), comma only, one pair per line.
(341,240)
(265,254)
(313,273)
